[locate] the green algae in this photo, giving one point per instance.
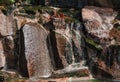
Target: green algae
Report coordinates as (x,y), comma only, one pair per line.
(25,15)
(91,42)
(70,12)
(38,8)
(69,20)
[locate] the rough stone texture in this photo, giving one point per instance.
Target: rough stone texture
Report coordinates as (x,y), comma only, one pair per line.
(2,56)
(8,47)
(98,21)
(104,64)
(6,31)
(6,24)
(22,20)
(102,42)
(36,51)
(68,42)
(63,46)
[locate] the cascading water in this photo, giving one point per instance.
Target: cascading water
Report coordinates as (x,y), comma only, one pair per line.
(73,52)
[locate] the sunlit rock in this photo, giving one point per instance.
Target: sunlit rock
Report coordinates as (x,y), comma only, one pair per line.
(6,24)
(36,51)
(2,56)
(99,24)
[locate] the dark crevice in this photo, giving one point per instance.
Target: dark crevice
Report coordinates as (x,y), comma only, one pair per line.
(22,60)
(49,46)
(58,61)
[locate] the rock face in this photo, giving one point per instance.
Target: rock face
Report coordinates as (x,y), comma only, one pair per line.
(68,52)
(2,56)
(6,24)
(103,52)
(68,42)
(8,47)
(36,51)
(59,43)
(98,21)
(7,41)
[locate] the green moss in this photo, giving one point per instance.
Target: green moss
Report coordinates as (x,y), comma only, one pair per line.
(95,80)
(1,77)
(36,8)
(77,74)
(16,79)
(7,2)
(7,10)
(70,20)
(69,12)
(28,16)
(91,42)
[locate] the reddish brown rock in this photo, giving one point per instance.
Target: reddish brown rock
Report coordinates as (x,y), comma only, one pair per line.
(6,24)
(98,21)
(102,52)
(101,24)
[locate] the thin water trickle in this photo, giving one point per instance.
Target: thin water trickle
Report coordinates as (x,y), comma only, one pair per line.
(74,55)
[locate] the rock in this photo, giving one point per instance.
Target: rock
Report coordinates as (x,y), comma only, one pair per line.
(8,47)
(6,24)
(2,56)
(36,51)
(22,20)
(105,64)
(67,45)
(98,22)
(7,30)
(102,53)
(114,33)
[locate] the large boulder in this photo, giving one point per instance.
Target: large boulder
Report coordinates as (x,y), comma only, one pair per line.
(102,42)
(98,21)
(36,51)
(7,24)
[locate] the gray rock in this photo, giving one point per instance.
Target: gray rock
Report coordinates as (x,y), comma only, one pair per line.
(2,56)
(36,51)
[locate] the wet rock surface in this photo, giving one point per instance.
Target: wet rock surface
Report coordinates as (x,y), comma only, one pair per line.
(103,58)
(52,43)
